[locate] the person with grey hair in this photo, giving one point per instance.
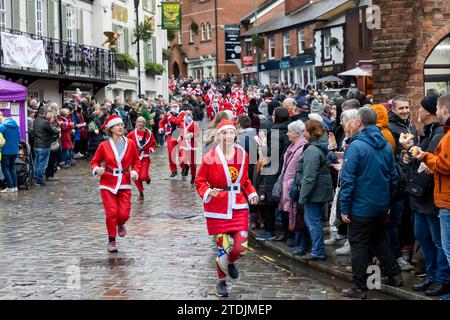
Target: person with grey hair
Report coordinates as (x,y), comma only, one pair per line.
(287,205)
(43,133)
(368,178)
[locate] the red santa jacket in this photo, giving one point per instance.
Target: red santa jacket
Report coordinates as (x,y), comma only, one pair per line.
(233,106)
(170,123)
(209,97)
(144,147)
(188,135)
(127,160)
(213,109)
(214,173)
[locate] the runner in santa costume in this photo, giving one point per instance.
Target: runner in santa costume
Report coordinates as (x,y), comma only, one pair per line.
(223,184)
(168,125)
(146,144)
(213,109)
(189,132)
(234,105)
(120,160)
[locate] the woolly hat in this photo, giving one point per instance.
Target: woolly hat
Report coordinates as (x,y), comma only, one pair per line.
(112,121)
(316,107)
(224,125)
(429,104)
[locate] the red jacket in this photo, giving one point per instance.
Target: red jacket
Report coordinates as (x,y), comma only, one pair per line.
(129,159)
(188,135)
(66,129)
(213,173)
(148,146)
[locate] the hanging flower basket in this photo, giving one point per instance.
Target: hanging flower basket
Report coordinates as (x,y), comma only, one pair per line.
(153,69)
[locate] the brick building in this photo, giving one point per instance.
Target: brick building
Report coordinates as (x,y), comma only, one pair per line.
(288,51)
(194,48)
(411,51)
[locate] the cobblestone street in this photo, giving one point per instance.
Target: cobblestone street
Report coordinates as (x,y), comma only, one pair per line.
(53,246)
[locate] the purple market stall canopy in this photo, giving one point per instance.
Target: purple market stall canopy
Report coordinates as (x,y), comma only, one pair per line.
(12,104)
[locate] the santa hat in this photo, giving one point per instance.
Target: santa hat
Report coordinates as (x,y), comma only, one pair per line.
(224,125)
(112,121)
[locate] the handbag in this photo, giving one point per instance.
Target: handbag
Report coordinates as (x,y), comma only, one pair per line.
(54,146)
(278,186)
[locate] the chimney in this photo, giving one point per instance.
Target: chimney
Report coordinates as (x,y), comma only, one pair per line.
(293,5)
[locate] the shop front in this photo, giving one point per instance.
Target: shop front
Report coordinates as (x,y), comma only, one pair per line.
(299,70)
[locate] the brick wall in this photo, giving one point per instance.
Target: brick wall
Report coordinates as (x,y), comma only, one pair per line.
(409,32)
(292,5)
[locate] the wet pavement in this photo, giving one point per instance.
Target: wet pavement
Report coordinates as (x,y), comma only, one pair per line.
(53,246)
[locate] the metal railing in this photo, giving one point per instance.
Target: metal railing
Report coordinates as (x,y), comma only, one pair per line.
(70,59)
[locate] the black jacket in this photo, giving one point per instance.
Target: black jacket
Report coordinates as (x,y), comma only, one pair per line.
(398,126)
(43,133)
(279,133)
(433,133)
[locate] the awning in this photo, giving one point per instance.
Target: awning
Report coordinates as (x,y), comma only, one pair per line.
(363,71)
(330,79)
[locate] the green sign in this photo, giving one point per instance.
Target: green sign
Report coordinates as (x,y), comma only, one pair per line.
(171,15)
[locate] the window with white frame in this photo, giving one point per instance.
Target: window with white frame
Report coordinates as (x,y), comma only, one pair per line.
(286,45)
(301,40)
(271,48)
(203,29)
(71,24)
(208,31)
(326,46)
(2,14)
(150,53)
(179,36)
(121,42)
(191,35)
(39,17)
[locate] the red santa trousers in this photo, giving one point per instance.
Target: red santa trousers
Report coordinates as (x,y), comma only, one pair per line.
(117,209)
(144,174)
(173,149)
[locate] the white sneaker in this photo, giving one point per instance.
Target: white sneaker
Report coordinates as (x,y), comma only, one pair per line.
(78,155)
(404,264)
(7,190)
(344,250)
(16,189)
(334,238)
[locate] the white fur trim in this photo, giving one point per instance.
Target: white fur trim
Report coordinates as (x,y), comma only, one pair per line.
(114,122)
(94,171)
(206,196)
(225,128)
(251,196)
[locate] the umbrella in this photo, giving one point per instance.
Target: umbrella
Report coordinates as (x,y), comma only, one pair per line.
(363,71)
(330,79)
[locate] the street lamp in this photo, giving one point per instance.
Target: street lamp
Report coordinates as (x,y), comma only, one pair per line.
(138,51)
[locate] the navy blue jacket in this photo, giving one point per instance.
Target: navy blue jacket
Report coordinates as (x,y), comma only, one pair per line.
(368,176)
(10,130)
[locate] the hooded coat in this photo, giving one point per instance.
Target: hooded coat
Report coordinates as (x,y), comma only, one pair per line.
(383,124)
(368,176)
(10,130)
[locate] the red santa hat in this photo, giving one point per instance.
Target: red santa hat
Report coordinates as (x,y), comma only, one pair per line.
(224,125)
(112,121)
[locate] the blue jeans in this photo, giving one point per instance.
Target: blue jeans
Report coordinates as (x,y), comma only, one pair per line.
(394,227)
(313,220)
(9,170)
(40,163)
(444,216)
(428,233)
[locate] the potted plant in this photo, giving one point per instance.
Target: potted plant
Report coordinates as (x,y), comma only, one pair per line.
(258,41)
(334,42)
(166,54)
(194,27)
(153,69)
(171,35)
(125,62)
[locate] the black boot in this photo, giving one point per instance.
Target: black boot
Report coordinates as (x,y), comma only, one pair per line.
(192,180)
(185,172)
